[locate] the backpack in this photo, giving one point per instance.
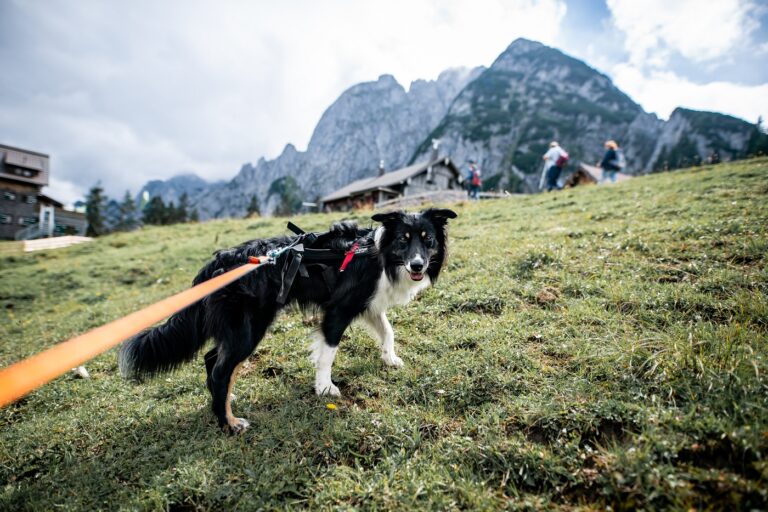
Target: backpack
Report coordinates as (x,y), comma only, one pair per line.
(562,160)
(476,177)
(620,161)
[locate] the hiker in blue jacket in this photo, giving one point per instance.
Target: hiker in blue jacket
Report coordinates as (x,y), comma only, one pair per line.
(612,162)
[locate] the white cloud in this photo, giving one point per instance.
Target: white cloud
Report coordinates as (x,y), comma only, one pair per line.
(699,31)
(703,33)
(125,92)
(65,191)
(662,91)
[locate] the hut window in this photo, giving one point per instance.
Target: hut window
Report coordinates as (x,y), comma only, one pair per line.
(27,221)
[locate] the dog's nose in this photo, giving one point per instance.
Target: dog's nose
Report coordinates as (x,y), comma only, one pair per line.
(417,266)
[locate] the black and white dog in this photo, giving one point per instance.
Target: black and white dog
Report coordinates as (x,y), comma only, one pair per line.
(400,258)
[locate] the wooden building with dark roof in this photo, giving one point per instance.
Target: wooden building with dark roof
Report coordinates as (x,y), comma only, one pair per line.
(437,174)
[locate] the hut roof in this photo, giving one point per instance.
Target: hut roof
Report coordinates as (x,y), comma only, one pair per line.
(388,180)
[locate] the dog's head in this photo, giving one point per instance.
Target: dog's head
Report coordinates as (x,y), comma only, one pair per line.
(414,241)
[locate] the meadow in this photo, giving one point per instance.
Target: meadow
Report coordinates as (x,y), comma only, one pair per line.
(600,346)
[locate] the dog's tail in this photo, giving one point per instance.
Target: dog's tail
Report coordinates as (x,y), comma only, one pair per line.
(166,346)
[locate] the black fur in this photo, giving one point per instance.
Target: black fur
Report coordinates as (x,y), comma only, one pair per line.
(238,315)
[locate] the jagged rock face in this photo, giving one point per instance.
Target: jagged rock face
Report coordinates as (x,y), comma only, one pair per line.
(691,136)
(174,188)
(369,122)
(232,199)
(504,117)
(530,96)
(533,94)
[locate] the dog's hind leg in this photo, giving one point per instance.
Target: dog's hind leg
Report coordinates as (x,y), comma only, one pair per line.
(234,347)
(222,379)
(382,329)
(210,361)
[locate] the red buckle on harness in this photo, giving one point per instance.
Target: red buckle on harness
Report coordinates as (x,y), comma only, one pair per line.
(348,256)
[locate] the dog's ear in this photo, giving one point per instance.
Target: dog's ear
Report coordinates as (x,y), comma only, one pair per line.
(439,215)
(389,217)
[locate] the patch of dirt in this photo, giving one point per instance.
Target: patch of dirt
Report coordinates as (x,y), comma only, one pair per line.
(721,454)
(272,372)
(547,296)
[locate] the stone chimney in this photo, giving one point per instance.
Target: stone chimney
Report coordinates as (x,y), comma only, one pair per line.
(381,168)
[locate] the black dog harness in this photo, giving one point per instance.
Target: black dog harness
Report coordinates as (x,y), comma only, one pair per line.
(300,254)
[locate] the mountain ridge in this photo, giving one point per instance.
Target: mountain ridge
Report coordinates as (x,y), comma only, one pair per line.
(503,116)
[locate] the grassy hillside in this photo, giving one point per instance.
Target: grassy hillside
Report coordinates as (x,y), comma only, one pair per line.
(599,346)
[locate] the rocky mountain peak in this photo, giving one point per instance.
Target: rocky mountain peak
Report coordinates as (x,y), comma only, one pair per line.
(369,122)
(289,149)
(387,80)
(503,116)
(521,46)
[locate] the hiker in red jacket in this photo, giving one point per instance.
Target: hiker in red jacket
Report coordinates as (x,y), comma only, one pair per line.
(475,180)
(554,161)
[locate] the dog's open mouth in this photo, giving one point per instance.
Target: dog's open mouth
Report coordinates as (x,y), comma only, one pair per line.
(416,276)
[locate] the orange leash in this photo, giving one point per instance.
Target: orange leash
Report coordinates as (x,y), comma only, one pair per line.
(19,379)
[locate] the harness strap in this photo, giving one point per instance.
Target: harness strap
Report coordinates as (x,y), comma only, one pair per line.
(312,255)
(296,229)
(299,256)
(295,255)
(348,256)
(307,238)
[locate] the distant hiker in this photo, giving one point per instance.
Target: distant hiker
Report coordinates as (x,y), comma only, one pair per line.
(554,160)
(467,183)
(475,180)
(612,162)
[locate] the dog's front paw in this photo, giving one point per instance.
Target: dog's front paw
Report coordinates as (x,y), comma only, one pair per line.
(327,389)
(237,426)
(392,360)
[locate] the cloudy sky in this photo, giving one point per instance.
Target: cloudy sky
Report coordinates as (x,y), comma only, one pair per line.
(124,92)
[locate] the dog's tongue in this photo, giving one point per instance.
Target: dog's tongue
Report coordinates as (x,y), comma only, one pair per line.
(417,276)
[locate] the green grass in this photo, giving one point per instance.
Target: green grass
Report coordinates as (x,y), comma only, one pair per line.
(11,248)
(598,346)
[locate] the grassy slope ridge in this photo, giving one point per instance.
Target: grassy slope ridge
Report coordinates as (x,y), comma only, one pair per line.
(603,345)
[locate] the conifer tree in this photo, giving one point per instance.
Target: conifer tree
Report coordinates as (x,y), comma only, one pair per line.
(170,214)
(95,205)
(287,189)
(182,212)
(253,209)
(155,212)
(128,219)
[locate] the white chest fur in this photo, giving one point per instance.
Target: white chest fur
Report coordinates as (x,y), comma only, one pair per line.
(400,292)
